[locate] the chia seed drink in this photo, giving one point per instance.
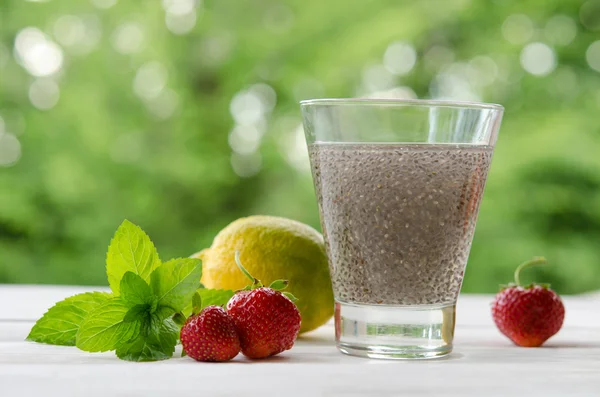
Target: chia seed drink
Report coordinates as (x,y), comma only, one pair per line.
(399,184)
(398,219)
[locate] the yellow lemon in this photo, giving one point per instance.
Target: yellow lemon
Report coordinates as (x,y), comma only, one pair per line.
(273,248)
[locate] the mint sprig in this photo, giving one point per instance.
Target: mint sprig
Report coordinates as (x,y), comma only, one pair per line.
(138,319)
(60,323)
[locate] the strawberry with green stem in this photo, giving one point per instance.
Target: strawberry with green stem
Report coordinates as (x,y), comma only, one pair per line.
(528,315)
(266,319)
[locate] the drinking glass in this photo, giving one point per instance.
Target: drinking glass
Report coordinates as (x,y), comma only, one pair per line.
(398,184)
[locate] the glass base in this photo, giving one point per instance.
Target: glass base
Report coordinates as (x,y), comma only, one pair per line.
(394,332)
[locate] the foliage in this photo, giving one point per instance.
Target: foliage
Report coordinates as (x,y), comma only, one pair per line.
(117,144)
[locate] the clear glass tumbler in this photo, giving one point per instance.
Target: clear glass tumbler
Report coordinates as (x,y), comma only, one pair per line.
(399,185)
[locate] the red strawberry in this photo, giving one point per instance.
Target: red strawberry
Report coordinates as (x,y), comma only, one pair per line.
(267,320)
(528,315)
(210,336)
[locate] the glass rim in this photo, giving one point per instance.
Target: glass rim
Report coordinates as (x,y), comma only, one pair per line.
(401,102)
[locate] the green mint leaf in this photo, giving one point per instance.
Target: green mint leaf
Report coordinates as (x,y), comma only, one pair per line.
(279,285)
(134,290)
(215,297)
(59,325)
(210,297)
(164,312)
(155,342)
(196,303)
(175,281)
(179,319)
(130,250)
(290,296)
(137,313)
(105,327)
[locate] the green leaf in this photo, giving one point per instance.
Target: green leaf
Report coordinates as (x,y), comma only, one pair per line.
(134,290)
(179,319)
(175,282)
(105,327)
(196,303)
(163,312)
(59,325)
(279,285)
(290,296)
(211,297)
(137,313)
(155,342)
(130,250)
(215,297)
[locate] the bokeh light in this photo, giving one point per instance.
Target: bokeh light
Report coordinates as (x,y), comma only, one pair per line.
(592,55)
(400,58)
(214,50)
(249,106)
(10,149)
(484,70)
(79,35)
(44,93)
(164,105)
(401,92)
(244,139)
(455,81)
(517,29)
(39,55)
(128,38)
(150,79)
(538,59)
(376,78)
(246,165)
(560,30)
(180,15)
(437,57)
(293,147)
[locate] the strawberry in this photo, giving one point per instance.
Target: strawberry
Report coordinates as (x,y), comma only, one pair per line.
(528,315)
(210,335)
(267,320)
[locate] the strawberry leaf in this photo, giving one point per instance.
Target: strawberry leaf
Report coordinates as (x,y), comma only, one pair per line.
(279,285)
(290,296)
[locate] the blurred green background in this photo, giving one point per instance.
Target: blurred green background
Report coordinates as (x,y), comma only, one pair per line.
(183,115)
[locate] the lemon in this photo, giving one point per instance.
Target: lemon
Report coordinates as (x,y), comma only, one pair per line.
(273,248)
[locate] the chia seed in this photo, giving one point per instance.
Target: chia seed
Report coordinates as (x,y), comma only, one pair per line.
(398,219)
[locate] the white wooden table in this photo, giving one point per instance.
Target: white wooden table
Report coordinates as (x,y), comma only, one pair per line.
(484,363)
